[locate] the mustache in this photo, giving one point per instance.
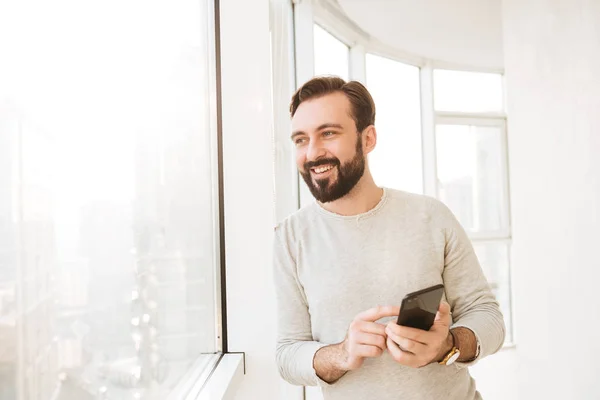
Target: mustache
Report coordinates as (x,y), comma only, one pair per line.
(324,161)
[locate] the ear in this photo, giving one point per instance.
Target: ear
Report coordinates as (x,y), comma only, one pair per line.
(369,139)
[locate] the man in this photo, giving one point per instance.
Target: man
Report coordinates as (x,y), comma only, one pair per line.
(343,264)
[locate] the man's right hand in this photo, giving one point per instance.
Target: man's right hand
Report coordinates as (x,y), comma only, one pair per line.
(366,338)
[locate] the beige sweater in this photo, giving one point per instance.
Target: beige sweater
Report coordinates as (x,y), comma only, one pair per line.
(328,268)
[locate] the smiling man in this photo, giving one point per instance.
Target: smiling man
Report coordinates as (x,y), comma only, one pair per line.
(343,264)
(325,176)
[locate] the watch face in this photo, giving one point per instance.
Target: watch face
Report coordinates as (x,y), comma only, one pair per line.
(453,358)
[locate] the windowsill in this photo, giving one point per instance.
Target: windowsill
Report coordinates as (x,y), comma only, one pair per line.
(223,380)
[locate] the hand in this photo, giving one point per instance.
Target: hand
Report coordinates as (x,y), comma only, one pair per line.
(417,348)
(366,338)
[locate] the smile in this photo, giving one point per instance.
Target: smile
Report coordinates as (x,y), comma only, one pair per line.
(322,169)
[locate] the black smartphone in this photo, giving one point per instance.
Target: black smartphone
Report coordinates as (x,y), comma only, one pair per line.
(419,308)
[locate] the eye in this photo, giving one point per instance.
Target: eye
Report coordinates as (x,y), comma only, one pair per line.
(299,141)
(328,133)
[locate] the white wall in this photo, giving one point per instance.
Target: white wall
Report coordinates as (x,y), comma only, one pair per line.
(249,208)
(552,56)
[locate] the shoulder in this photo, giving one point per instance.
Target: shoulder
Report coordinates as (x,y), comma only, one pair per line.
(294,225)
(412,201)
(427,207)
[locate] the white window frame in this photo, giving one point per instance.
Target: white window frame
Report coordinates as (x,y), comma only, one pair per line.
(200,374)
(505,231)
(430,119)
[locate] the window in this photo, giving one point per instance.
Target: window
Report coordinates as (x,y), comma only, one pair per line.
(331,55)
(472,173)
(396,161)
(474,92)
(108,216)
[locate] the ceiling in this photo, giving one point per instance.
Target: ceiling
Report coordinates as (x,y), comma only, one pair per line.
(458,32)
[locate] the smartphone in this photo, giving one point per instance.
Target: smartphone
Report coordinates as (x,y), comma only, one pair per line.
(419,308)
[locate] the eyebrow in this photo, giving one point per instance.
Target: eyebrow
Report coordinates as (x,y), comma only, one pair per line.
(321,127)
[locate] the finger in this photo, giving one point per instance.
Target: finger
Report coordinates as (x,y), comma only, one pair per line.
(405,343)
(408,345)
(443,311)
(418,335)
(375,313)
(370,339)
(400,356)
(442,318)
(370,327)
(365,350)
(415,334)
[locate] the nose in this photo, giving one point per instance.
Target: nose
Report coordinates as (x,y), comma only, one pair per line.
(314,151)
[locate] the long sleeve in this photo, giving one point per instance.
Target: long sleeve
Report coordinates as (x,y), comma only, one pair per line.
(471,300)
(329,267)
(295,345)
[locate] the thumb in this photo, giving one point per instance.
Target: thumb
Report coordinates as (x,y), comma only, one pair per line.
(443,315)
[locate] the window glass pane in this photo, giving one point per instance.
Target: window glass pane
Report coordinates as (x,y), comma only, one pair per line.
(467,91)
(396,161)
(471,176)
(494,260)
(331,55)
(107,234)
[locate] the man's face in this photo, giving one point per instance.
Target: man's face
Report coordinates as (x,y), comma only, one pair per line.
(329,151)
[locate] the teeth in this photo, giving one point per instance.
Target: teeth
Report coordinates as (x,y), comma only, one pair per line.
(320,170)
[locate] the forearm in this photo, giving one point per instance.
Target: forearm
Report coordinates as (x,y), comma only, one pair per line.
(467,343)
(487,325)
(328,363)
(464,339)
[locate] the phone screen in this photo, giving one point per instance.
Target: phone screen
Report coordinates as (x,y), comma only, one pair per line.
(418,309)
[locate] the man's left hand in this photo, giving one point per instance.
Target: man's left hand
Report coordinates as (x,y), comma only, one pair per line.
(415,347)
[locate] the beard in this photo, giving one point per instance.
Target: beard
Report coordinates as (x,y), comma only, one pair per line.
(331,188)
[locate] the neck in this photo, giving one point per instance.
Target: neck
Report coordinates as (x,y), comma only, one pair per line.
(362,198)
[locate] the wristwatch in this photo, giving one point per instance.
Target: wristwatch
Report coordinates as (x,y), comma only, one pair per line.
(454,352)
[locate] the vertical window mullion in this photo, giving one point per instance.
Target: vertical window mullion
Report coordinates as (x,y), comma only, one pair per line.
(358,70)
(428,132)
(506,179)
(305,64)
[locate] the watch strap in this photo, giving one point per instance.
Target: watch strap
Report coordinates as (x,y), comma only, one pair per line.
(454,352)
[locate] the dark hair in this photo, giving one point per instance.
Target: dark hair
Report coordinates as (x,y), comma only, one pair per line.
(363,107)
